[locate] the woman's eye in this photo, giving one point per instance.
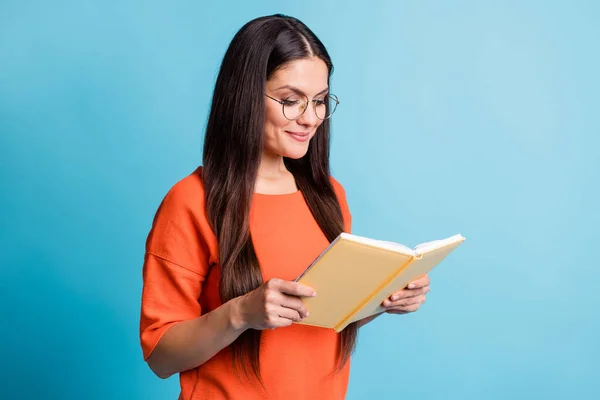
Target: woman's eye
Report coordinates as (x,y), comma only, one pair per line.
(290,102)
(319,102)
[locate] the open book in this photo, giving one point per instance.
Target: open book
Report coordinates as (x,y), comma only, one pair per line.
(354,275)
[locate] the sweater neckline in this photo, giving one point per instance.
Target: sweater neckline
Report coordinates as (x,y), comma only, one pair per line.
(277,195)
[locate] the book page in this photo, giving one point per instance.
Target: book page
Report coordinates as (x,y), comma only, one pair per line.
(414,270)
(345,276)
(418,249)
(380,243)
(435,244)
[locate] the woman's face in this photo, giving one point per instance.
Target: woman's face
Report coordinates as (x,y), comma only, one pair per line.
(296,79)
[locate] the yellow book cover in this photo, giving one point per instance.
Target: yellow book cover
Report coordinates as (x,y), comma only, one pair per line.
(355,274)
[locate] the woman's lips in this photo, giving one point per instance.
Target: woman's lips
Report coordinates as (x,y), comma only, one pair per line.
(299,136)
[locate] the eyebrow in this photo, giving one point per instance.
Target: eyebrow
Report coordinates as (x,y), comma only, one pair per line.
(295,89)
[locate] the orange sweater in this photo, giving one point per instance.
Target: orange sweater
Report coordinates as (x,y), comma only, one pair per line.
(297,362)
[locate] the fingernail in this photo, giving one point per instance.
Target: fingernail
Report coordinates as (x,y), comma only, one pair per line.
(412,286)
(307,314)
(395,297)
(314,294)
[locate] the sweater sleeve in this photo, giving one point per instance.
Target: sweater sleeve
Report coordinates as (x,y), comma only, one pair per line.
(176,263)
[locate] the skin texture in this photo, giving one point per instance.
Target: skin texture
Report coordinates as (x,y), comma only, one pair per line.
(308,76)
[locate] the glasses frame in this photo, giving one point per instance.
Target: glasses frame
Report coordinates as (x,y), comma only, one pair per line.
(282,102)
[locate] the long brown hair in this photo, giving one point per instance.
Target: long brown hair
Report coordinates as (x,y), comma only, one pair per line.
(233,147)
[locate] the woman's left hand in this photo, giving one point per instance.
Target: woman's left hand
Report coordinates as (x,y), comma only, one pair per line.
(408,299)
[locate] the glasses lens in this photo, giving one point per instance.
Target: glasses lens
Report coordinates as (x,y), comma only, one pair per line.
(294,106)
(326,107)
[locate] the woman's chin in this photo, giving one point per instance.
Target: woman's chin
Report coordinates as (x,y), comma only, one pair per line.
(295,154)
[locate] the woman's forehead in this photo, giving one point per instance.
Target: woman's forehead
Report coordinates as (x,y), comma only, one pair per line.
(308,75)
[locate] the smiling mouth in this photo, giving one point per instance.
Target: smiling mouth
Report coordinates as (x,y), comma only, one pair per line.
(299,136)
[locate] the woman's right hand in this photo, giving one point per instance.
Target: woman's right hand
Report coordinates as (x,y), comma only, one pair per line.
(274,304)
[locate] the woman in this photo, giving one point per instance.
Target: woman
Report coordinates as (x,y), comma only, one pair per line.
(218,301)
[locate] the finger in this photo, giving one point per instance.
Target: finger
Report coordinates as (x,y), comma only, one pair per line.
(296,289)
(288,313)
(419,283)
(295,304)
(407,301)
(404,310)
(278,322)
(274,298)
(405,294)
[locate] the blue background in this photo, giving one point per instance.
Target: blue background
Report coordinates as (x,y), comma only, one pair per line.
(463,116)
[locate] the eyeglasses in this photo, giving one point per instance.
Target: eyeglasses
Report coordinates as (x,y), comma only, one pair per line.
(295,105)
